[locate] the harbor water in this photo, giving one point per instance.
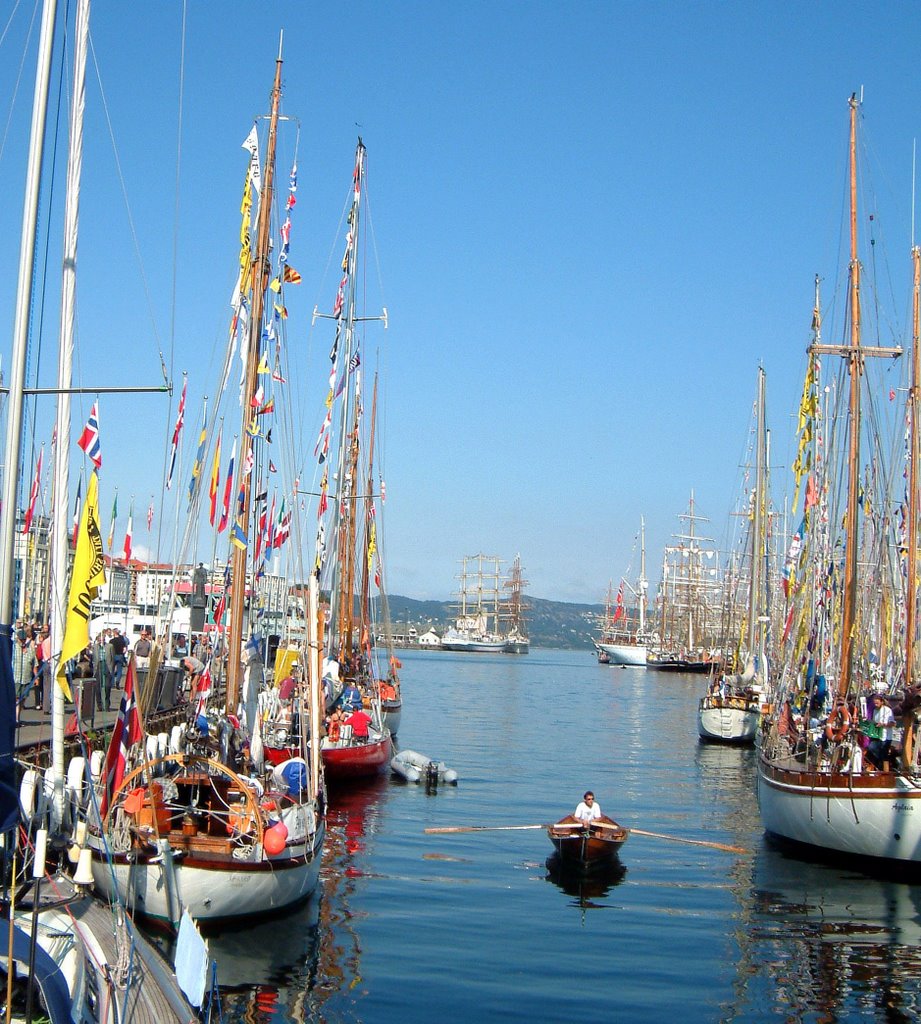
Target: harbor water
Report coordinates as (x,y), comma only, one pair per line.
(412,927)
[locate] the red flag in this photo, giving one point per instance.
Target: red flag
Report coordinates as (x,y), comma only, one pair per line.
(33,496)
(203,691)
(128,531)
(125,734)
(619,607)
(228,489)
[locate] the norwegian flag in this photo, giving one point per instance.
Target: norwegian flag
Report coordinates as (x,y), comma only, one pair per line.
(126,733)
(33,496)
(177,430)
(89,439)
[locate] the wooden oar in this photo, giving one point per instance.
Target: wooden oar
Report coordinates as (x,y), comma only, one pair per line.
(693,842)
(602,824)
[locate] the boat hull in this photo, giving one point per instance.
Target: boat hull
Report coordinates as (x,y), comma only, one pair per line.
(474,646)
(586,849)
(874,815)
(728,720)
(211,891)
(624,654)
(415,767)
(517,646)
(356,760)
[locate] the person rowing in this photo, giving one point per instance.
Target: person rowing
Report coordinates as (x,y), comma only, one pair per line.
(587,811)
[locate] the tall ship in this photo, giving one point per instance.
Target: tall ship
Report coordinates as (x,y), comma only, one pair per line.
(838,770)
(689,599)
(515,605)
(477,628)
(624,639)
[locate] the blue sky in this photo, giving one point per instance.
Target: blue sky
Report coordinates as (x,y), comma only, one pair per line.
(592,221)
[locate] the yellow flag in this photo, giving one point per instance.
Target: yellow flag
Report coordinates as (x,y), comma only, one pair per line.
(89,574)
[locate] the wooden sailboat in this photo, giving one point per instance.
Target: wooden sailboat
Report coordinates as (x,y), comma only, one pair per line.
(477,627)
(818,784)
(205,826)
(357,741)
(516,639)
(730,711)
(623,642)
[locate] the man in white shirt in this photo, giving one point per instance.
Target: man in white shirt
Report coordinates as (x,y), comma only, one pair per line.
(884,720)
(588,811)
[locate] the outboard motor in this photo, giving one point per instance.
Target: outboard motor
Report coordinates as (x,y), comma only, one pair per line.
(431,775)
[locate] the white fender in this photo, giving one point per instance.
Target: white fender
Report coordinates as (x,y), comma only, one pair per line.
(175,739)
(27,793)
(75,777)
(97,760)
(162,744)
(151,748)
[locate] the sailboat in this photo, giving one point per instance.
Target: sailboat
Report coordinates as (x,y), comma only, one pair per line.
(478,603)
(68,955)
(357,741)
(200,823)
(827,777)
(622,641)
(730,711)
(688,602)
(516,639)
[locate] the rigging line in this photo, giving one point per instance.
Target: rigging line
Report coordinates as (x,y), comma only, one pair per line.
(22,63)
(124,189)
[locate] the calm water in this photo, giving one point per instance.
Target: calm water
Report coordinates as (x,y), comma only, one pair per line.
(410,927)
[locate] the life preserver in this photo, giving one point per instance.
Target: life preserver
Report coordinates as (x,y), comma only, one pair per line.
(838,724)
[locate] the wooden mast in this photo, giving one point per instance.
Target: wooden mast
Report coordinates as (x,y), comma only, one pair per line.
(855,353)
(911,597)
(259,280)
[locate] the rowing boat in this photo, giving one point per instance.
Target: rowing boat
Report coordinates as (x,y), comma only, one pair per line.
(587,846)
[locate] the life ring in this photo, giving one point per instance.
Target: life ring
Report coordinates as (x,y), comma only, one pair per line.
(838,724)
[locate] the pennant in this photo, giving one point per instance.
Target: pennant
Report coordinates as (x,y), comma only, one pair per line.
(150,515)
(89,439)
(257,398)
(199,462)
(251,145)
(126,732)
(76,514)
(263,364)
(128,530)
(272,467)
(248,464)
(238,535)
(33,495)
(277,376)
(177,430)
(87,576)
(275,285)
(111,536)
(228,490)
(290,275)
(215,477)
(268,407)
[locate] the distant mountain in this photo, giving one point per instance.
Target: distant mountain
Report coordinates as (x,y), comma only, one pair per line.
(550,623)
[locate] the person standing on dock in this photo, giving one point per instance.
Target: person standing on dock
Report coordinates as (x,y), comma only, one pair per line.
(588,811)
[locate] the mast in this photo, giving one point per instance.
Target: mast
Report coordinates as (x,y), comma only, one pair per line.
(259,280)
(855,352)
(21,325)
(757,546)
(59,522)
(911,610)
(643,582)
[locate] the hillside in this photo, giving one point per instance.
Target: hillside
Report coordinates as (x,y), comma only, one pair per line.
(550,623)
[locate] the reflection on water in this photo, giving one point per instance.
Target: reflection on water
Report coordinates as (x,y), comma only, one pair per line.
(586,886)
(288,967)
